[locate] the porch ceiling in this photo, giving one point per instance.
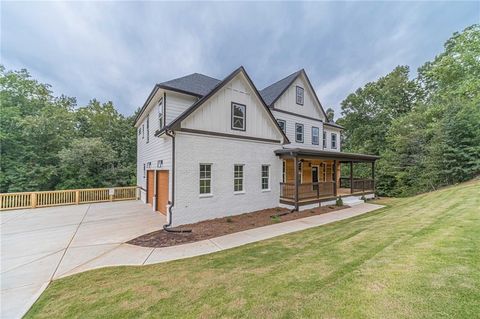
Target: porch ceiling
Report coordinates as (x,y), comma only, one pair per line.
(302,152)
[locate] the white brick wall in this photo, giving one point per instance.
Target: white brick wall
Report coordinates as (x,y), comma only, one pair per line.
(223,154)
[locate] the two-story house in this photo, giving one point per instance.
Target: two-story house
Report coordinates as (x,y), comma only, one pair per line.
(210,148)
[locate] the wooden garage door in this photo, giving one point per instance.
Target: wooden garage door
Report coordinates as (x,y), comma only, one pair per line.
(162,191)
(150,183)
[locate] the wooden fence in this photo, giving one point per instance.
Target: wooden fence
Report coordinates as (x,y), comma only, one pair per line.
(66,197)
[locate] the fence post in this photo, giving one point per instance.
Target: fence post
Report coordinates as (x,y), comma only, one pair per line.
(77,197)
(33,200)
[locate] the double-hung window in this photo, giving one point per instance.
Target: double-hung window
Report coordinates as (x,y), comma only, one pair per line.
(315,135)
(238,116)
(238,178)
(334,140)
(148,128)
(299,133)
(299,95)
(161,120)
(283,125)
(265,177)
(284,171)
(205,179)
(324,139)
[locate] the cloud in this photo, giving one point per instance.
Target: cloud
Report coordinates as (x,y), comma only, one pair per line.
(118,50)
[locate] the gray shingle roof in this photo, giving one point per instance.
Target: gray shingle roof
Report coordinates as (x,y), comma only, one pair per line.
(195,83)
(272,92)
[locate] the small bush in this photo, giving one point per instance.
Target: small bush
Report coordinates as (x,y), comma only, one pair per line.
(229,220)
(363,198)
(339,202)
(276,219)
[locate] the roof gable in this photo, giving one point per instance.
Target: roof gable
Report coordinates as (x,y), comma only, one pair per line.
(176,124)
(274,92)
(195,84)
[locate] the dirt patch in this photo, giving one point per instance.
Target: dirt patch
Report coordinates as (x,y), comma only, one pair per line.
(225,225)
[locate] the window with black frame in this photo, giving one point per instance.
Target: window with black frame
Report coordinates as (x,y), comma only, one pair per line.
(238,116)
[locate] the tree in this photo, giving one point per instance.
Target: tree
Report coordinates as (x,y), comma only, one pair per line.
(330,114)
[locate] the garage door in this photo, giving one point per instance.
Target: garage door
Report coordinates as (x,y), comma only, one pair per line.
(150,183)
(162,191)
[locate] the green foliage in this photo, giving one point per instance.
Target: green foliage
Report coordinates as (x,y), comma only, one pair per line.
(276,219)
(426,130)
(339,201)
(37,129)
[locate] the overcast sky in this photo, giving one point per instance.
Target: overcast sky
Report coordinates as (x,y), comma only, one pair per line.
(118,51)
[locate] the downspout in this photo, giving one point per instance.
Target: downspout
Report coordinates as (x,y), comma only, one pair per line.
(172,202)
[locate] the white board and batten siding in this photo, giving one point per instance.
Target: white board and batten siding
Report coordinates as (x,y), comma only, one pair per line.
(156,154)
(310,107)
(215,114)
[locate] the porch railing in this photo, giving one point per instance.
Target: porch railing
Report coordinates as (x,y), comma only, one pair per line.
(65,197)
(307,190)
(359,185)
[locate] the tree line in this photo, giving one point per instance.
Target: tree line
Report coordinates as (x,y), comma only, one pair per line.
(48,142)
(426,129)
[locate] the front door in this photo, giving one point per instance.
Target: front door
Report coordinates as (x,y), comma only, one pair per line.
(315,177)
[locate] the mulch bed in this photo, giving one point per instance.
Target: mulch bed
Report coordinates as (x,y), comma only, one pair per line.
(225,225)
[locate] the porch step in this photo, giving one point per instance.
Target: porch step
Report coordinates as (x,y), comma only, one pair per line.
(352,200)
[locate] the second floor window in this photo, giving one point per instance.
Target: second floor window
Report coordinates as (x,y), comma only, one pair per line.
(238,116)
(238,178)
(161,120)
(282,124)
(299,133)
(299,95)
(334,140)
(148,128)
(315,135)
(324,139)
(205,178)
(143,131)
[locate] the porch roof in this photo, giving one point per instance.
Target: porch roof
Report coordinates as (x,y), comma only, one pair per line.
(326,154)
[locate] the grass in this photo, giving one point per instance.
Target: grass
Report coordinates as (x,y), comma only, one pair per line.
(417,258)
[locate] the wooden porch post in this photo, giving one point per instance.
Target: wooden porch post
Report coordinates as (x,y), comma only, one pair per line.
(351,177)
(335,178)
(295,162)
(373,176)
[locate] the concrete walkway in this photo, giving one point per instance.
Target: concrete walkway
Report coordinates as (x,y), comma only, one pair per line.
(45,244)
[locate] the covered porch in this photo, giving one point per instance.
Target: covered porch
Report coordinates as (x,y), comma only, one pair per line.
(324,175)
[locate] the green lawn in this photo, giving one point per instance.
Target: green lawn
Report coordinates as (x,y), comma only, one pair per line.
(417,258)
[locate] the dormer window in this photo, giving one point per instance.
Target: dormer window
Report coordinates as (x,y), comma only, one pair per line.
(299,95)
(238,116)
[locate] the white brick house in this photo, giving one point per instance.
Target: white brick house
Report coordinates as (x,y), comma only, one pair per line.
(210,148)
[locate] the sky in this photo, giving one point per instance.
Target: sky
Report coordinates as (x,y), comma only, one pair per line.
(117,51)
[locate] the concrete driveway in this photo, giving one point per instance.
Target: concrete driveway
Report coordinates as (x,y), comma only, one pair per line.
(46,243)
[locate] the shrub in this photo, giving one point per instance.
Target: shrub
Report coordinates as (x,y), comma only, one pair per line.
(339,202)
(276,219)
(229,220)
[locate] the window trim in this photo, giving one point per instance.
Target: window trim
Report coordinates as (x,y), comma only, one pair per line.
(242,191)
(318,135)
(200,178)
(244,117)
(284,125)
(267,177)
(296,94)
(161,114)
(332,135)
(303,132)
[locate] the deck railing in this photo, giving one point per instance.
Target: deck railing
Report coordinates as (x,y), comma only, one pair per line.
(66,197)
